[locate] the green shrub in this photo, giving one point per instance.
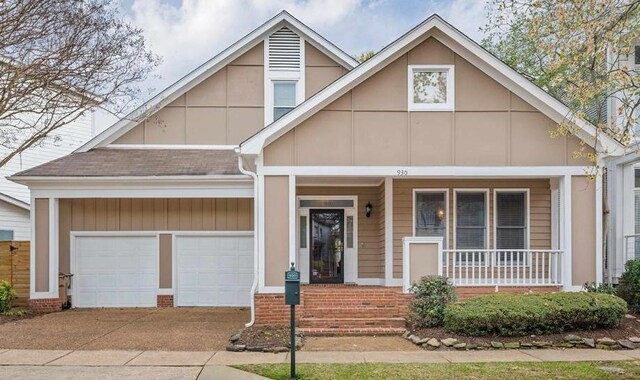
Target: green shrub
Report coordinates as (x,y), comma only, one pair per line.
(592,287)
(629,285)
(7,294)
(431,296)
(519,315)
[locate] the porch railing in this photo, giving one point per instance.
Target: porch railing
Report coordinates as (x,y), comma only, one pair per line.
(503,267)
(632,247)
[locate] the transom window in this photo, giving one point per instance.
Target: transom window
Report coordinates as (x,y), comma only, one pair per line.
(431,213)
(284,98)
(511,220)
(471,220)
(431,87)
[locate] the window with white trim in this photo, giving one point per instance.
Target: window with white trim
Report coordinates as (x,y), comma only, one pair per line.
(471,220)
(431,88)
(511,220)
(430,213)
(284,98)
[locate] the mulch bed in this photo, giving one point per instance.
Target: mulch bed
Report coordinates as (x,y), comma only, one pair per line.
(16,315)
(630,327)
(261,338)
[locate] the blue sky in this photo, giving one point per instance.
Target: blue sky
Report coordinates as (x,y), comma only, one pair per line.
(185,33)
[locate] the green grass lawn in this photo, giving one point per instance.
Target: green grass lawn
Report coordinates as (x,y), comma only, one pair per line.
(528,370)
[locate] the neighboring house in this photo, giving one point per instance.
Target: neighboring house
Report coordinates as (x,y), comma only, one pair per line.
(432,157)
(15,200)
(623,192)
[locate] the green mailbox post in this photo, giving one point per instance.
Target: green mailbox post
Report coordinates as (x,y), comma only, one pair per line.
(292,298)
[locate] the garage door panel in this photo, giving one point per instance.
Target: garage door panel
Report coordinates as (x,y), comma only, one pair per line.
(115,271)
(214,270)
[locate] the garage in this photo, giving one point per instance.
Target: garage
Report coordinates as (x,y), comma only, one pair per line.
(115,271)
(214,269)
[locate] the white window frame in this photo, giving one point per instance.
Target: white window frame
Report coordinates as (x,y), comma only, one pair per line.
(527,221)
(448,105)
(446,212)
(486,219)
(271,76)
(284,81)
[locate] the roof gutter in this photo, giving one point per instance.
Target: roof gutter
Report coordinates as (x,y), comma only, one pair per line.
(254,285)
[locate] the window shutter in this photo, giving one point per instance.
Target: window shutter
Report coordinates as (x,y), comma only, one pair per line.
(284,50)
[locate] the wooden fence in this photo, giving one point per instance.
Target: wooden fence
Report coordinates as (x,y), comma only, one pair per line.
(14,268)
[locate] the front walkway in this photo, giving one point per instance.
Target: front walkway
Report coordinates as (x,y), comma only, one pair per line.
(213,365)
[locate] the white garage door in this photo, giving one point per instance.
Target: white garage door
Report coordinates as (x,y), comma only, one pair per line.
(214,270)
(115,271)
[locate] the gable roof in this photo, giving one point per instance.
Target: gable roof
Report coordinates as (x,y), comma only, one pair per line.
(16,202)
(459,43)
(207,69)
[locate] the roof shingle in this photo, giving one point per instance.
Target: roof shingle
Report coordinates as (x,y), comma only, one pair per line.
(139,162)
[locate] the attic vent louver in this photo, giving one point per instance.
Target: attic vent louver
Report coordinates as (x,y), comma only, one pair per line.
(284,50)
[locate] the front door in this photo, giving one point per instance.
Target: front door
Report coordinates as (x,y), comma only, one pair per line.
(327,246)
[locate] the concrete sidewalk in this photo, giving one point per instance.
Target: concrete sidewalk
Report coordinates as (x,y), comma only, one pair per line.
(52,358)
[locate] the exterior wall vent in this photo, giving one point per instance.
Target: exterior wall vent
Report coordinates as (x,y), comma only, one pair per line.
(284,50)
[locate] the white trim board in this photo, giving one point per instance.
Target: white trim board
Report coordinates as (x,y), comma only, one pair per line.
(13,201)
(204,71)
(460,44)
(400,171)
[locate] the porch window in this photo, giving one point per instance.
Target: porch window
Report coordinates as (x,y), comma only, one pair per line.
(284,98)
(471,220)
(511,220)
(430,214)
(431,87)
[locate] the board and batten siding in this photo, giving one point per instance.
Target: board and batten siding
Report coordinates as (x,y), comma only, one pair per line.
(539,218)
(370,125)
(370,230)
(152,214)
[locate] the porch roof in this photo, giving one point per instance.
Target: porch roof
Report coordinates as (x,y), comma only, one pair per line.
(138,163)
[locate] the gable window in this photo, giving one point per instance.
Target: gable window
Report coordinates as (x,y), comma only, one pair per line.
(430,213)
(471,220)
(284,98)
(431,87)
(511,220)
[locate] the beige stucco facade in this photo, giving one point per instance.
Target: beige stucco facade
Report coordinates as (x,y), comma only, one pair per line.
(371,125)
(228,107)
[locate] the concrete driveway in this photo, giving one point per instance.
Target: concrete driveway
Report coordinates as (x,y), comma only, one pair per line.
(171,329)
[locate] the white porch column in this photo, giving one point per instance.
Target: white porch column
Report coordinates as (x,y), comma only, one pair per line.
(293,257)
(599,217)
(54,258)
(565,230)
(388,234)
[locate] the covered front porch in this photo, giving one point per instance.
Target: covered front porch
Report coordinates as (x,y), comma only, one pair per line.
(390,231)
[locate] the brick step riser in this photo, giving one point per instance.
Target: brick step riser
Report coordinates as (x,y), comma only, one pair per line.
(350,332)
(354,323)
(341,313)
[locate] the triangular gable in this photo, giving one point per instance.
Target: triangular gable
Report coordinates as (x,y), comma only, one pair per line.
(200,74)
(460,44)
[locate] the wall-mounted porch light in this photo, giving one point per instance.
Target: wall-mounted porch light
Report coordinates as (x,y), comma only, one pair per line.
(367,209)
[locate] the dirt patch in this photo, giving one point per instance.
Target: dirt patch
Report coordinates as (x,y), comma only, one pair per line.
(264,337)
(16,315)
(359,343)
(630,327)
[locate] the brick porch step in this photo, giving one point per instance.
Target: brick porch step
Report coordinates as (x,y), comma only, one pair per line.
(351,312)
(321,331)
(352,323)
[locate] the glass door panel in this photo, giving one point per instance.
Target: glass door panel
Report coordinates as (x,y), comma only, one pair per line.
(327,246)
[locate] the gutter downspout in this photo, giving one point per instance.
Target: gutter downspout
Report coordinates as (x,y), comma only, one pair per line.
(254,286)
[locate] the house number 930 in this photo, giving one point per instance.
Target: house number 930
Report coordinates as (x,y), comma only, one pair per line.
(402,172)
